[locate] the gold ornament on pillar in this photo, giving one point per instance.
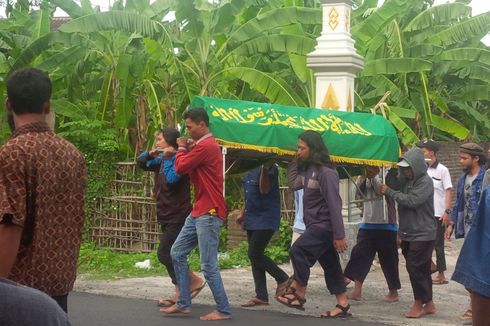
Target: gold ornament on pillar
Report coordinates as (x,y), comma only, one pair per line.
(330,101)
(349,102)
(334,18)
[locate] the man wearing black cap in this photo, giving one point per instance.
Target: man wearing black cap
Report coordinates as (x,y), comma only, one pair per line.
(417,227)
(472,158)
(442,203)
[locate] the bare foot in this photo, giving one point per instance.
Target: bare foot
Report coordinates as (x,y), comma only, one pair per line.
(416,311)
(354,295)
(390,297)
(429,308)
(175,310)
(215,315)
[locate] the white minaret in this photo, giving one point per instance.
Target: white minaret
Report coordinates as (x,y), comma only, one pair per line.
(335,60)
(336,63)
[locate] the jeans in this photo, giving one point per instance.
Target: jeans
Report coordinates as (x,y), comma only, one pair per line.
(202,231)
(257,242)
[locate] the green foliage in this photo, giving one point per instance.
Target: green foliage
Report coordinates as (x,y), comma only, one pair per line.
(99,146)
(102,263)
(137,72)
(425,56)
(223,237)
(278,251)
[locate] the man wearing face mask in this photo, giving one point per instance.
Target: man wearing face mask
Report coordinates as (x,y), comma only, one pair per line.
(417,227)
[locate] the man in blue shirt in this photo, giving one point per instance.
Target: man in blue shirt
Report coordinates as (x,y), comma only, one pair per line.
(261,217)
(472,159)
(472,269)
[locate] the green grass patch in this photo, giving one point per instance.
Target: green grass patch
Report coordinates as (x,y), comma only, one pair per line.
(103,264)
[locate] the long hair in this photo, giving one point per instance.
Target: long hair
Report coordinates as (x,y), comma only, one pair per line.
(318,151)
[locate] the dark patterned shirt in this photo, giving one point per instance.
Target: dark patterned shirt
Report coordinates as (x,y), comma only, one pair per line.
(42,187)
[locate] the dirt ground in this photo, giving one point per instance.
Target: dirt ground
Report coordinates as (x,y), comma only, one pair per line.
(451,299)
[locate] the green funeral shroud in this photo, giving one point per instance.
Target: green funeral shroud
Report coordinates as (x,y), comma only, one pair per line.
(351,137)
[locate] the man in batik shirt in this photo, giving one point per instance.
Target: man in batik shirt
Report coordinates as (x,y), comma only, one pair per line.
(42,189)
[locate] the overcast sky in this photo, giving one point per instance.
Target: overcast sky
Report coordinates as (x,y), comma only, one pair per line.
(479,6)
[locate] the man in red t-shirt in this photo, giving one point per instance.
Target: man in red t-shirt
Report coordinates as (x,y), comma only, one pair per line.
(200,158)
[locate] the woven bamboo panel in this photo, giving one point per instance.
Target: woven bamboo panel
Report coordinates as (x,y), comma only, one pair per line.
(126,221)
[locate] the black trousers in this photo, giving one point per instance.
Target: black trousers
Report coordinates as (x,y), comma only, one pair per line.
(370,242)
(316,244)
(480,308)
(170,231)
(257,242)
(439,246)
(62,301)
(418,256)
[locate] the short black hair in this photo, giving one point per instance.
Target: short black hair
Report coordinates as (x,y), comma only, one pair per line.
(197,115)
(170,135)
(27,90)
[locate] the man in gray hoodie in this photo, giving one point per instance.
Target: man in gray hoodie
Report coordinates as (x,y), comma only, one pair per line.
(417,227)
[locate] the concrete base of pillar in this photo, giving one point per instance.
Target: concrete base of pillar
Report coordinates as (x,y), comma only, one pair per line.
(351,226)
(351,229)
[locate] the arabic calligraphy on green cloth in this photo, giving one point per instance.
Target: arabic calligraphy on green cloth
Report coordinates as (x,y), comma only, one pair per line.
(351,137)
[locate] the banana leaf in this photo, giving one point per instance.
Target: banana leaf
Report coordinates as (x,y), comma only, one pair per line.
(260,130)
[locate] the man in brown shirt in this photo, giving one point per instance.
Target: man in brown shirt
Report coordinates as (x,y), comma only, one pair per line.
(42,188)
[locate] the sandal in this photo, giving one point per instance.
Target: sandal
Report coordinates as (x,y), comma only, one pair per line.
(176,311)
(196,291)
(165,303)
(254,302)
(282,287)
(289,302)
(468,315)
(343,314)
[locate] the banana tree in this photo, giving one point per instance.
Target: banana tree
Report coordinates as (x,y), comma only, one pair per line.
(205,52)
(426,57)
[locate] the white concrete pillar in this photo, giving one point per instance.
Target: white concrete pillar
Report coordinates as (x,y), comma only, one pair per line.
(336,64)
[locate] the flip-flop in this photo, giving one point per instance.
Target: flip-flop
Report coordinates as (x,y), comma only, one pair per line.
(196,291)
(296,297)
(177,311)
(161,303)
(254,302)
(343,314)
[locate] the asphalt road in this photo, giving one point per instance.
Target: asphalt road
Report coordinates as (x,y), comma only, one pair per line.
(93,310)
